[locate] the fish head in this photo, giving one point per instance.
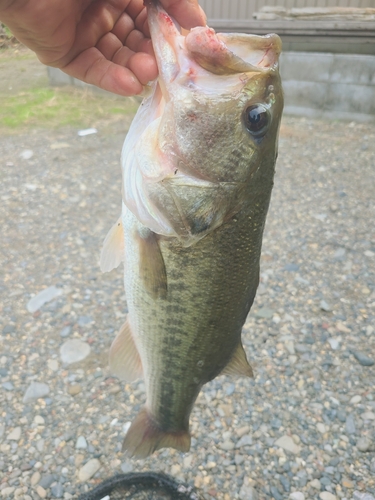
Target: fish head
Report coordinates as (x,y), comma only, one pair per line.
(209,125)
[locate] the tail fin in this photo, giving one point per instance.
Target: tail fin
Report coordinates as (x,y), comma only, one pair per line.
(145,436)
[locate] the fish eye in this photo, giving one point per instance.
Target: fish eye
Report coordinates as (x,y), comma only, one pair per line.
(257,120)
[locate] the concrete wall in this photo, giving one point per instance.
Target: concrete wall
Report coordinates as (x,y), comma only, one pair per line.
(334,86)
(240,9)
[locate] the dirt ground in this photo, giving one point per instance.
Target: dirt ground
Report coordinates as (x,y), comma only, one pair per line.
(305,424)
(20,69)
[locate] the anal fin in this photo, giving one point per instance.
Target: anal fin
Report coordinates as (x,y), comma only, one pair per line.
(151,265)
(145,436)
(112,253)
(238,364)
(124,359)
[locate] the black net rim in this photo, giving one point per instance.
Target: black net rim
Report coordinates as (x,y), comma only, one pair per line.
(146,482)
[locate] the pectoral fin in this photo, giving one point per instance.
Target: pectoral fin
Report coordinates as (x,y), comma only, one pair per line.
(124,359)
(238,365)
(151,265)
(112,253)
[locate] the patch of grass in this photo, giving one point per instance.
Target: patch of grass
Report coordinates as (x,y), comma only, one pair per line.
(58,107)
(6,37)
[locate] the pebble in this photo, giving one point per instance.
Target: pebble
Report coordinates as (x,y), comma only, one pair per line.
(46,481)
(89,469)
(275,493)
(53,365)
(247,491)
(285,483)
(287,443)
(239,459)
(339,254)
(326,495)
(81,443)
(40,445)
(8,329)
(364,444)
(350,424)
(26,154)
(291,267)
(357,495)
(324,306)
(356,399)
(35,390)
(41,491)
(66,331)
(227,445)
(246,440)
(126,467)
(276,423)
(362,358)
(297,495)
(35,478)
(315,483)
(325,481)
(57,491)
(341,415)
(321,428)
(74,350)
(84,320)
(8,491)
(264,313)
(39,420)
(114,389)
(8,386)
(15,434)
(334,343)
(36,302)
(289,344)
(346,483)
(74,389)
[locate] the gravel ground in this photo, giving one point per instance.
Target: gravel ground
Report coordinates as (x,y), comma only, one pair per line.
(304,428)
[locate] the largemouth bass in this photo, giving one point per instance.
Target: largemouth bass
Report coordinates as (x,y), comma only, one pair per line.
(198,166)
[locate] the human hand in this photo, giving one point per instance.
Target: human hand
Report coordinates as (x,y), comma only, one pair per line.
(102,42)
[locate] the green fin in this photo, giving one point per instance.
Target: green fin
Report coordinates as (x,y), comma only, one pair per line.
(238,365)
(124,359)
(113,248)
(145,436)
(152,267)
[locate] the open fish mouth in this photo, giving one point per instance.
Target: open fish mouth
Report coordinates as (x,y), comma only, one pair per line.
(201,56)
(199,72)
